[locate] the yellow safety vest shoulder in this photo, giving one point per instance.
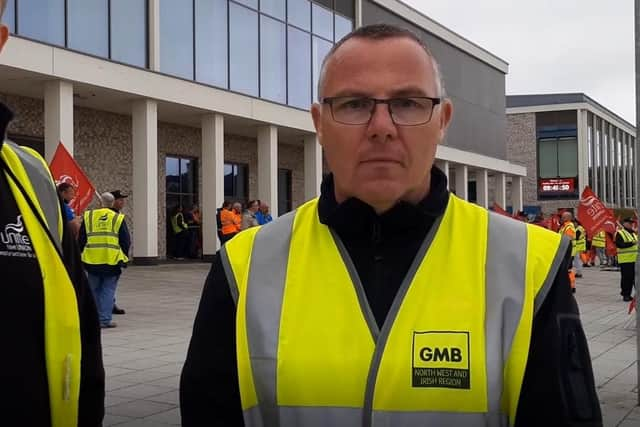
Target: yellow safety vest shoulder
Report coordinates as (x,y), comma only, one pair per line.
(62,322)
(569,226)
(103,244)
(630,254)
(309,351)
(599,240)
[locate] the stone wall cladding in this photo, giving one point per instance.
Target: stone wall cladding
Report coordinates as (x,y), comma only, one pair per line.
(28,116)
(521,150)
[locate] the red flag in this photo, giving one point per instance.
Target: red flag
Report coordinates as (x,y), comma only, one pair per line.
(594,215)
(610,249)
(498,209)
(65,169)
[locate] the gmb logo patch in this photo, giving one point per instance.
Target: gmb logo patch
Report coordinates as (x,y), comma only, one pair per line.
(441,359)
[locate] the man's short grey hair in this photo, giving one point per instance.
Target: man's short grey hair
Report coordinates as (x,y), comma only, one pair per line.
(382,32)
(107,199)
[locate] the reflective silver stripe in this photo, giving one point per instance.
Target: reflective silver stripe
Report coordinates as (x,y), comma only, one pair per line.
(391,317)
(553,271)
(44,189)
(265,293)
(113,222)
(314,416)
(504,298)
(253,417)
(355,278)
(444,419)
(102,234)
(101,245)
(228,271)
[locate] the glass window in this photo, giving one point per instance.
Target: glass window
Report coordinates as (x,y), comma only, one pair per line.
(250,3)
(243,33)
(299,13)
(176,37)
(9,17)
(567,157)
(320,49)
(274,8)
(42,20)
(236,182)
(284,191)
(211,42)
(343,26)
(322,22)
(299,69)
(547,158)
(129,32)
(172,175)
(273,60)
(87,26)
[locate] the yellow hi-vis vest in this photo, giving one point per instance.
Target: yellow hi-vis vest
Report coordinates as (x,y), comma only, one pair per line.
(103,245)
(569,226)
(581,243)
(61,319)
(630,254)
(452,351)
(599,240)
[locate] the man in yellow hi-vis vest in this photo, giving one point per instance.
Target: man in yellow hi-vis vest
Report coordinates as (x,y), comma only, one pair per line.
(356,310)
(52,371)
(627,244)
(599,242)
(104,240)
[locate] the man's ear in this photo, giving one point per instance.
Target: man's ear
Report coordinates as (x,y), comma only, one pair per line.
(446,114)
(4,35)
(316,115)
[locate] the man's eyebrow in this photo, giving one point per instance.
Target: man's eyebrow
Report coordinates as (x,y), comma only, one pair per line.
(408,91)
(350,93)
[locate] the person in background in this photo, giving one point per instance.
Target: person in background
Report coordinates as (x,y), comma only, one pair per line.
(193,220)
(599,243)
(263,215)
(118,204)
(249,216)
(568,229)
(226,206)
(104,241)
(581,247)
(180,231)
(67,193)
(627,244)
(53,373)
(231,221)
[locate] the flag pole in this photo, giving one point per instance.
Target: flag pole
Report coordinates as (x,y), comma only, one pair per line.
(635,181)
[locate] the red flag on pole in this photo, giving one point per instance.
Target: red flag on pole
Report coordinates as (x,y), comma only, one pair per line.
(594,215)
(498,209)
(65,169)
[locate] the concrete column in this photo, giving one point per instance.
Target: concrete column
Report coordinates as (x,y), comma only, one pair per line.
(612,162)
(145,181)
(616,169)
(312,167)
(358,7)
(623,172)
(212,179)
(58,117)
(443,165)
(482,188)
(501,190)
(583,151)
(516,193)
(154,35)
(603,175)
(462,182)
(268,167)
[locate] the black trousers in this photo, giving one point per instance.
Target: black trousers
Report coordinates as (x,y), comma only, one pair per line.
(627,277)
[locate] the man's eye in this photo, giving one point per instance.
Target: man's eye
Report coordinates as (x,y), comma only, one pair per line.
(355,104)
(406,103)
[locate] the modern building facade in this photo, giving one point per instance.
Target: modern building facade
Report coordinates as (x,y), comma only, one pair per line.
(569,141)
(195,101)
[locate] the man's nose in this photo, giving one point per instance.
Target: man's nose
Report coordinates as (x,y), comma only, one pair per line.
(381,126)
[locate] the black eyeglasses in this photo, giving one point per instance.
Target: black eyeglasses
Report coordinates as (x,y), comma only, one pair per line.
(407,111)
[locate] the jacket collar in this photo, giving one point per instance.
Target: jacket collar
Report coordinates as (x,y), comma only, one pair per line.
(5,118)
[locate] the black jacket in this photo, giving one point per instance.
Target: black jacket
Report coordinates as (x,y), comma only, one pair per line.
(558,386)
(24,396)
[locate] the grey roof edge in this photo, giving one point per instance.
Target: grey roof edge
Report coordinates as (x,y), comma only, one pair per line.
(544,99)
(447,35)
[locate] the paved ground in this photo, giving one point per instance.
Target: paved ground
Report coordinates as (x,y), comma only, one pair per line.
(144,355)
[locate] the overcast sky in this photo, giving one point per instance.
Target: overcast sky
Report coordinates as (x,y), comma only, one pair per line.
(552,45)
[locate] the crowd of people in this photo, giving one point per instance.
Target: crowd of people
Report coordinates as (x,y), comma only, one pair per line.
(231,218)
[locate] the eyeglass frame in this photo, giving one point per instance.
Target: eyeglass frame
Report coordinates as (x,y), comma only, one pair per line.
(376,101)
